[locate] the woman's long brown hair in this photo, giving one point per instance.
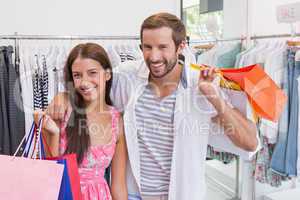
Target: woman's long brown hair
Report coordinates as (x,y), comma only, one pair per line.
(77,131)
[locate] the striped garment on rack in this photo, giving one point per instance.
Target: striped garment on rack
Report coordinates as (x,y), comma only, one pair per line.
(40,86)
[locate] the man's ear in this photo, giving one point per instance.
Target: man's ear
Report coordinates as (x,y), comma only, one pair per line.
(181,47)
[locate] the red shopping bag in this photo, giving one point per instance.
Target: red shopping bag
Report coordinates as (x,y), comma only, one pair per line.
(265,97)
(70,186)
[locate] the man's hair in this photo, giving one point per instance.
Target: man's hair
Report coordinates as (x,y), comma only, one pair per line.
(160,20)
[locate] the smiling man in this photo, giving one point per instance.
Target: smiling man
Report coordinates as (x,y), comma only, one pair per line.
(168,111)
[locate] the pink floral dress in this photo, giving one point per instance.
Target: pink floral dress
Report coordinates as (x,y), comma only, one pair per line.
(97,159)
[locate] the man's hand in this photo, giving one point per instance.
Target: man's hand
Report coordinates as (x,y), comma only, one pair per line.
(206,81)
(59,108)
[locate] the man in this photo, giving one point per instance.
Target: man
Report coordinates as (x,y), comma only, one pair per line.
(169,110)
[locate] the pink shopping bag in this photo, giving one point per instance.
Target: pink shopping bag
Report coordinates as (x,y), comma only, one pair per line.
(24,178)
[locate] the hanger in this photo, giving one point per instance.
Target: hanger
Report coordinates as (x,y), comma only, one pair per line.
(37,61)
(293,43)
(204,46)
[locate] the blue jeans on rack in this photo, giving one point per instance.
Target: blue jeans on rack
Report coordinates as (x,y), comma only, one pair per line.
(292,143)
(284,158)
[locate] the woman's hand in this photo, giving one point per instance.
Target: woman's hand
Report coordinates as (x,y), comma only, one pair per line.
(59,108)
(49,124)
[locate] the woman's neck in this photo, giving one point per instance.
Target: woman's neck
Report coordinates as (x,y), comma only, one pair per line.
(97,106)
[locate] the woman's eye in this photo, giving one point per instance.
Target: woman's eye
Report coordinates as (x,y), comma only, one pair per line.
(93,73)
(76,76)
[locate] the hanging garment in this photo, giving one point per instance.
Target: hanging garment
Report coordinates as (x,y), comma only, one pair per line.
(262,171)
(219,155)
(291,151)
(126,56)
(119,53)
(37,96)
(44,85)
(227,59)
(284,159)
(12,122)
(274,67)
(27,87)
(40,84)
(55,72)
(221,55)
(298,154)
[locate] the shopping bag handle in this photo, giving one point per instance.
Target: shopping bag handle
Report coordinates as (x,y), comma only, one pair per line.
(37,142)
(44,143)
(28,140)
(25,139)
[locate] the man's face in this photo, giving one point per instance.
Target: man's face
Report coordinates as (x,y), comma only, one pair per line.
(159,51)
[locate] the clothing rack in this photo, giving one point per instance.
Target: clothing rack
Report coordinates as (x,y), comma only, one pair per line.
(16,37)
(97,37)
(216,40)
(66,37)
(255,37)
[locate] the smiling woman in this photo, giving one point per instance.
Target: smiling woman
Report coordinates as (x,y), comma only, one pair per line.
(94,129)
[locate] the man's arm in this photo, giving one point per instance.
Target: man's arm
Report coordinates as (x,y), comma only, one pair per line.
(118,166)
(238,128)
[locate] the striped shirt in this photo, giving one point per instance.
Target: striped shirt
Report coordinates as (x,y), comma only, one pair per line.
(155,137)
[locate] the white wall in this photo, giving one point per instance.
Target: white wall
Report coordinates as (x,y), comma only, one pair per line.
(74,17)
(235,18)
(263,17)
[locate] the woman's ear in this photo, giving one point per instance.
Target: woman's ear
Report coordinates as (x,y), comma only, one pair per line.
(107,75)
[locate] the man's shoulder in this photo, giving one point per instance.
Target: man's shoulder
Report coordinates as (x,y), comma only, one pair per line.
(130,67)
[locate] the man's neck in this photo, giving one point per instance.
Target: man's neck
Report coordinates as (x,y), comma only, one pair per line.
(168,84)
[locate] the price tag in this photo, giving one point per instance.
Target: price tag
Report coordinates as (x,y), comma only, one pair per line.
(288,13)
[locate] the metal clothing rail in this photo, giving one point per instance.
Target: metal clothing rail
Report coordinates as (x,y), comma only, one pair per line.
(67,37)
(274,36)
(198,41)
(254,37)
(97,37)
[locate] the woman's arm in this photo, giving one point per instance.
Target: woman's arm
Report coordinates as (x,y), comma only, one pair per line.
(118,167)
(53,143)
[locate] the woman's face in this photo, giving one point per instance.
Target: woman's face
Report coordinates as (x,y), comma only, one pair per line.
(89,79)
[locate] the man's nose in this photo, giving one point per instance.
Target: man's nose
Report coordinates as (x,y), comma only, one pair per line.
(155,56)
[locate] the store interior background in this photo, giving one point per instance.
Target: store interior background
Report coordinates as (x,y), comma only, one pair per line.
(242,18)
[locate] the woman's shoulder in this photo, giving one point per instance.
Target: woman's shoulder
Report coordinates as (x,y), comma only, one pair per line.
(115,111)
